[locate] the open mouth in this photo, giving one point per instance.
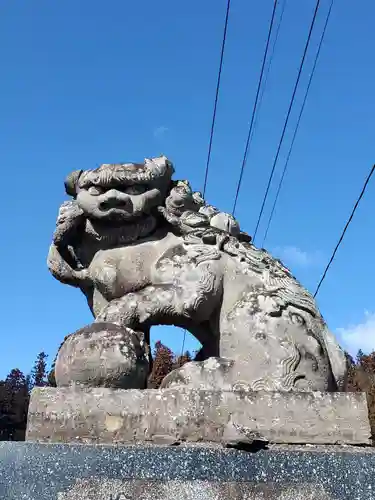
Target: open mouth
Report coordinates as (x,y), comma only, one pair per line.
(129,228)
(118,215)
(108,205)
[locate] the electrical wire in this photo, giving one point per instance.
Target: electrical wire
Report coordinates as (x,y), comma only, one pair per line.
(297,125)
(254,108)
(216,96)
(287,118)
(183,343)
(267,72)
(214,116)
(344,231)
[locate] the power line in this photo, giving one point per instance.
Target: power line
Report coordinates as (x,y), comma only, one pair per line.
(287,117)
(344,231)
(183,343)
(266,75)
(298,122)
(254,108)
(214,115)
(216,96)
(272,53)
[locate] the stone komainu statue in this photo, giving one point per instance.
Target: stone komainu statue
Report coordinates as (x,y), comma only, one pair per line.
(147,250)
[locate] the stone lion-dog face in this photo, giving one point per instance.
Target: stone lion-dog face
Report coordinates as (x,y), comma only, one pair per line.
(121,192)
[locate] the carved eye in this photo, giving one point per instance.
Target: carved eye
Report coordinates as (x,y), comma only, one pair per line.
(94,190)
(297,319)
(260,336)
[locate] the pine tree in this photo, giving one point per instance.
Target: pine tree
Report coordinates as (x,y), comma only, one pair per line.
(367,362)
(359,356)
(39,372)
(349,359)
(14,406)
(5,412)
(162,365)
(14,399)
(361,378)
(181,360)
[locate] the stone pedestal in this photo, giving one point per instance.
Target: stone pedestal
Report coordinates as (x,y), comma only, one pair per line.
(173,416)
(30,471)
(125,452)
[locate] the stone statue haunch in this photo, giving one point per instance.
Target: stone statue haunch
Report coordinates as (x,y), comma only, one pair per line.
(147,250)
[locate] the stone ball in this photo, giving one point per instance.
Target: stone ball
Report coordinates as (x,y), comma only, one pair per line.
(103,355)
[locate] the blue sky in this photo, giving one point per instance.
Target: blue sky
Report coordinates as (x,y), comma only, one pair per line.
(92,82)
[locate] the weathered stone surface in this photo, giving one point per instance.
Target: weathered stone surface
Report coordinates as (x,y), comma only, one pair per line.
(30,471)
(103,354)
(212,374)
(169,416)
(147,250)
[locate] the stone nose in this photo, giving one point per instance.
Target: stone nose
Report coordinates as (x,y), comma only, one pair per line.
(115,199)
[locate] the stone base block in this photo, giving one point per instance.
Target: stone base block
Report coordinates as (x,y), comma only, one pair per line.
(31,471)
(173,416)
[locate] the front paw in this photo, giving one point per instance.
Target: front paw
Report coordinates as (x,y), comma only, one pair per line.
(123,312)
